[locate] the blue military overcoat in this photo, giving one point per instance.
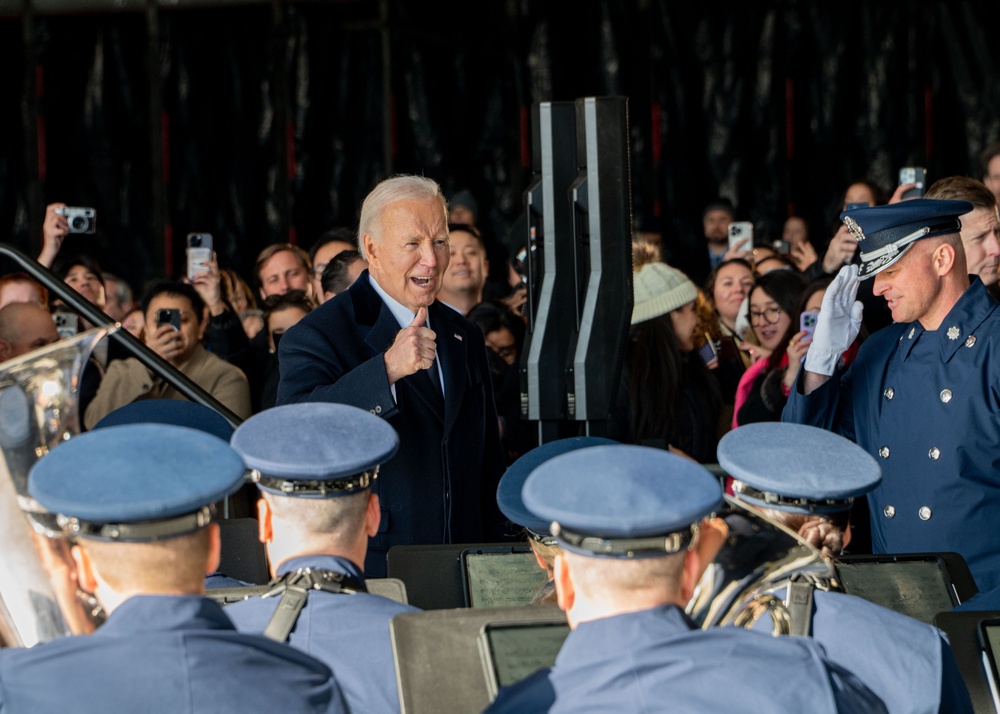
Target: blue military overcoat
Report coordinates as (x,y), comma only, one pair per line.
(349,632)
(164,655)
(907,663)
(926,404)
(655,661)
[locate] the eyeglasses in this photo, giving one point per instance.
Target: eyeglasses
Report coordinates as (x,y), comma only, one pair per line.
(770,316)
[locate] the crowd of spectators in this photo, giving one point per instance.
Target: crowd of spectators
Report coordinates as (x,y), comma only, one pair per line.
(227,321)
(713,346)
(728,355)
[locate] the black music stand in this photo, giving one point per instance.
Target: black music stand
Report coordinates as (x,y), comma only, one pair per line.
(432,573)
(962,630)
(918,585)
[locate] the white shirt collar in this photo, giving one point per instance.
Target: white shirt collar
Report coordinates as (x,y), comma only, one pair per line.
(404,315)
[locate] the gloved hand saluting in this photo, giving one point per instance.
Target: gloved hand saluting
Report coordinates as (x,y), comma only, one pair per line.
(838,323)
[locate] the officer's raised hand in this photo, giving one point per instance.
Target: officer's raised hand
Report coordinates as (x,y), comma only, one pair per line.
(414,348)
(836,327)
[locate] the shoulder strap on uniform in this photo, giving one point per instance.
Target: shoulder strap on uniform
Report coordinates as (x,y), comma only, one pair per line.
(799,602)
(294,589)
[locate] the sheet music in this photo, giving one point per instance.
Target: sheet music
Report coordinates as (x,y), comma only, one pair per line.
(503,579)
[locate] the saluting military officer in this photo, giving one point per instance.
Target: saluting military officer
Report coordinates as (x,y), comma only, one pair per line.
(923,394)
(315,464)
(137,500)
(624,517)
(806,479)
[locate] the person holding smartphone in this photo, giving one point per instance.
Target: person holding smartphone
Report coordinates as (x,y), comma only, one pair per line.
(175,324)
(774,315)
(668,397)
(724,295)
(697,261)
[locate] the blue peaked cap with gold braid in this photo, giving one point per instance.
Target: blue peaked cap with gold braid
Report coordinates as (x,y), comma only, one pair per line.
(885,233)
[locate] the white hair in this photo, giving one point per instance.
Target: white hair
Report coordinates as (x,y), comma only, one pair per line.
(393,190)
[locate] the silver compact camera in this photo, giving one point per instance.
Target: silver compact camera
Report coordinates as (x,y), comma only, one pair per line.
(80,220)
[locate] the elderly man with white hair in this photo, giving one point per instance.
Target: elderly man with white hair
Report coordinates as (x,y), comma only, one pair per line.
(388,346)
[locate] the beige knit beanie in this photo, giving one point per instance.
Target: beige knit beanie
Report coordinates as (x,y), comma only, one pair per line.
(658,289)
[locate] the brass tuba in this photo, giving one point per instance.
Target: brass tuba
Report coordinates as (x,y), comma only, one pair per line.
(758,558)
(38,411)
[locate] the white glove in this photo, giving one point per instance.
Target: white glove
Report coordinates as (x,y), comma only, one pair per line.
(838,323)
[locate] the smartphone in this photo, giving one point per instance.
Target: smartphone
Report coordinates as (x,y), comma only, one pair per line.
(852,206)
(913,174)
(807,323)
(168,316)
(67,323)
(738,232)
(709,354)
(989,640)
(199,252)
(782,246)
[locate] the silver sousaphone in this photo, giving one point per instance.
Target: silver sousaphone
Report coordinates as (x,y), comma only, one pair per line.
(38,411)
(757,559)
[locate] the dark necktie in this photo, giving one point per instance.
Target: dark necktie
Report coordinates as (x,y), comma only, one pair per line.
(432,372)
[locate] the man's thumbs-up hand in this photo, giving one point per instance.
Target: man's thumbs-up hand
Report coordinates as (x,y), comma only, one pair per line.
(414,348)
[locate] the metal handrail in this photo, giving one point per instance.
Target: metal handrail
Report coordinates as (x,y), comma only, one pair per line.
(138,349)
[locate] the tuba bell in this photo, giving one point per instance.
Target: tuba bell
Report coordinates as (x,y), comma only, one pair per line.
(38,411)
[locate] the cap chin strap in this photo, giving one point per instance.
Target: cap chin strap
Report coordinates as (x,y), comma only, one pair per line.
(776,500)
(141,532)
(319,487)
(624,547)
(544,539)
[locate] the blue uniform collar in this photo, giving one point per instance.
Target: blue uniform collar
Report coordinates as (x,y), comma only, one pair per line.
(322,562)
(958,328)
(627,629)
(147,613)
